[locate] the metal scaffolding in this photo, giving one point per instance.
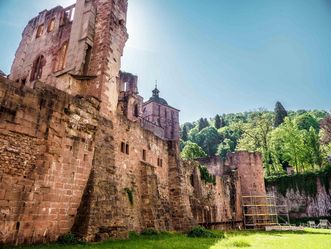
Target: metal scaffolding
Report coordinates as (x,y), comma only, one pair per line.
(261,210)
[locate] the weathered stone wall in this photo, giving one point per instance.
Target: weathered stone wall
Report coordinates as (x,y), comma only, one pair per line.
(250,171)
(106,208)
(217,205)
(248,166)
(300,204)
(46,150)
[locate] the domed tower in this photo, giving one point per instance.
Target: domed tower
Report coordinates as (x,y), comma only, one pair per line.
(163,117)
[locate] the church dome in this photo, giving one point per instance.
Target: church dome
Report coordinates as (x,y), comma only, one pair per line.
(156,98)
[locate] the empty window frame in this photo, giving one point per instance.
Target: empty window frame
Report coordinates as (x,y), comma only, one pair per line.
(61,57)
(125,148)
(87,59)
(40,30)
(51,25)
(136,111)
(159,162)
(37,68)
(144,155)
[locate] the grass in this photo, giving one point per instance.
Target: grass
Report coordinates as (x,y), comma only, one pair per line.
(308,239)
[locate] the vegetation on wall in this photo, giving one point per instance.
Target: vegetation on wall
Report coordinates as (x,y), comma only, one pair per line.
(305,183)
(205,176)
(130,194)
(298,140)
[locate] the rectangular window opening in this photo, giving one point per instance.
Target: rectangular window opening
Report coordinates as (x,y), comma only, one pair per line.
(87,59)
(144,155)
(40,30)
(51,25)
(123,147)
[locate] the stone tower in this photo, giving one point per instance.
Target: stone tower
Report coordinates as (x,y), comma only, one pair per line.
(157,111)
(76,49)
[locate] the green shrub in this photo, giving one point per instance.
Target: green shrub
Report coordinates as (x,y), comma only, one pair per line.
(133,235)
(149,231)
(201,232)
(67,239)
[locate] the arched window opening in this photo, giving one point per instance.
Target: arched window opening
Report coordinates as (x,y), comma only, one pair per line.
(87,59)
(51,25)
(37,69)
(61,57)
(40,30)
(136,110)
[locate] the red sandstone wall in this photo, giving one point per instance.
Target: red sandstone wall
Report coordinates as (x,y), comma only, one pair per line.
(48,45)
(302,205)
(46,150)
(215,205)
(250,171)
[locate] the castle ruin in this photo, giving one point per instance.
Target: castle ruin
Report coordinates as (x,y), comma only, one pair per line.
(82,152)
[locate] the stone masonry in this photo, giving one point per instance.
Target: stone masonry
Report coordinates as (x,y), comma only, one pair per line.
(82,152)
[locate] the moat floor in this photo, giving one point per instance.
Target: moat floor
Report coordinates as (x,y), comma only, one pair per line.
(309,239)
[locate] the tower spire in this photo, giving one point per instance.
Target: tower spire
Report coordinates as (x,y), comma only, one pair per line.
(156,91)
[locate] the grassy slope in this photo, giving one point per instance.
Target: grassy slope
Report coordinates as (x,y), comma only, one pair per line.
(310,239)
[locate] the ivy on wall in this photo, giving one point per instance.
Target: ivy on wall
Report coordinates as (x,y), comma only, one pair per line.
(130,194)
(305,183)
(205,176)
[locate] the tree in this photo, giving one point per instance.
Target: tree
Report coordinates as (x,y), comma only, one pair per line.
(225,147)
(184,133)
(218,122)
(305,121)
(280,114)
(326,130)
(292,145)
(256,136)
(203,123)
(192,151)
(313,149)
(208,139)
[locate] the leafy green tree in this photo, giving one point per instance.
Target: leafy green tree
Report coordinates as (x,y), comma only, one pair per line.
(182,144)
(218,122)
(256,136)
(192,151)
(193,134)
(305,121)
(225,147)
(189,126)
(293,144)
(184,133)
(326,129)
(208,139)
(313,148)
(203,123)
(280,114)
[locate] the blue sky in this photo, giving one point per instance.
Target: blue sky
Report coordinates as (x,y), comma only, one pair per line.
(215,56)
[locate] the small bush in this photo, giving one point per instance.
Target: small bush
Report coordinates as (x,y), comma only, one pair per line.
(240,243)
(133,235)
(149,231)
(67,239)
(201,232)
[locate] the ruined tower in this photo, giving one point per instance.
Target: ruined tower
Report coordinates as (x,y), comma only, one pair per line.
(76,49)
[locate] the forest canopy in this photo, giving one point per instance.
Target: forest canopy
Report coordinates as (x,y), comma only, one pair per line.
(297,140)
